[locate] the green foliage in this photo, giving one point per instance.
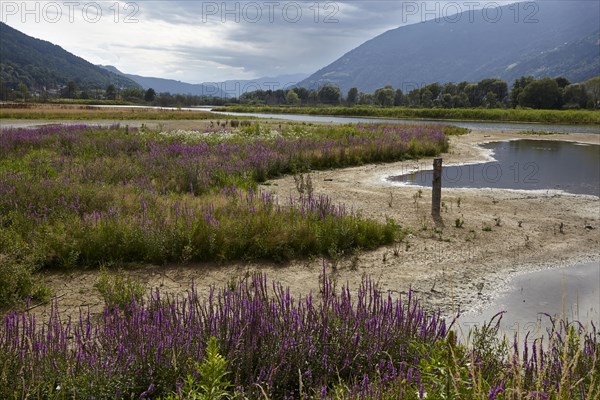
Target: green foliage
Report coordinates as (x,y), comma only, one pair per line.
(352,97)
(329,94)
(541,94)
(517,88)
(150,95)
(292,98)
(540,133)
(385,96)
(100,199)
(17,281)
(117,289)
(18,264)
(37,63)
(110,92)
(455,131)
(23,92)
(592,88)
(575,97)
(70,91)
(209,381)
(133,95)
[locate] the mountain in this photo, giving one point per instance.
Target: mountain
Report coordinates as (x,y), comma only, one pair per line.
(238,87)
(230,88)
(172,86)
(38,63)
(546,38)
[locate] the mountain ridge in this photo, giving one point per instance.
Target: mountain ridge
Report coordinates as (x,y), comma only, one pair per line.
(41,64)
(162,85)
(441,51)
(224,89)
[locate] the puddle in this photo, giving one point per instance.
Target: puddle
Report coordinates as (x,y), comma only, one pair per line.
(524,165)
(571,293)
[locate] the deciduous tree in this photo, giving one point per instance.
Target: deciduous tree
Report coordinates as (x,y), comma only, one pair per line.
(352,97)
(292,98)
(329,94)
(543,94)
(575,96)
(385,96)
(111,92)
(150,95)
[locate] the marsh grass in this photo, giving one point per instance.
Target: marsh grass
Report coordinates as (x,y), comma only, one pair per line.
(79,196)
(540,133)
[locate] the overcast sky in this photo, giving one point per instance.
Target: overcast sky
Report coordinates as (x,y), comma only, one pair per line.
(211,41)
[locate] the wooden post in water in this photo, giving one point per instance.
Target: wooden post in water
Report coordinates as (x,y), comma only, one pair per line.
(436,186)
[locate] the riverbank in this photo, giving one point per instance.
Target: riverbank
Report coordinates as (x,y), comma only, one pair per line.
(503,233)
(534,300)
(64,113)
(448,114)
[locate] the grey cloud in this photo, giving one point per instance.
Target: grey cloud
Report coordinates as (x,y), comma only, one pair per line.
(269,47)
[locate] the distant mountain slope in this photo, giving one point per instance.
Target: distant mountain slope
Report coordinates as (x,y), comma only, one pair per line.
(238,87)
(563,41)
(38,63)
(172,86)
(578,60)
(230,88)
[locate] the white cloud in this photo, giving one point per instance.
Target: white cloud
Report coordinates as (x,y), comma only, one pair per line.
(197,41)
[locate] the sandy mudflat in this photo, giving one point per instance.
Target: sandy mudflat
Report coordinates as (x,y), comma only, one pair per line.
(445,268)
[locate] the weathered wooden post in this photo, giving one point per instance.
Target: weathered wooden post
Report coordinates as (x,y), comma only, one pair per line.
(436,186)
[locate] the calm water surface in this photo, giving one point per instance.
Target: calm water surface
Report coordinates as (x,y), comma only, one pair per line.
(509,126)
(571,292)
(345,120)
(524,164)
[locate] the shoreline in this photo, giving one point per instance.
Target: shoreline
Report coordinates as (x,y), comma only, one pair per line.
(286,110)
(533,299)
(442,265)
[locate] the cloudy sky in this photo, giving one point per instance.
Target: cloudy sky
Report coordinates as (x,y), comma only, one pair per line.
(211,41)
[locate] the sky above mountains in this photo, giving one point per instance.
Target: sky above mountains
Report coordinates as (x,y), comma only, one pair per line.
(211,41)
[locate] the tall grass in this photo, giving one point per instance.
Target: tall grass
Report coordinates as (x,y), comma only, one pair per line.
(334,344)
(476,114)
(78,196)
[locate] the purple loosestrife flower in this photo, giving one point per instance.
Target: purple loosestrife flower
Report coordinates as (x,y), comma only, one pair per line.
(495,391)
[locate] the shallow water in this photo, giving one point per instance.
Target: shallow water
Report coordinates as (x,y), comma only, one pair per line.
(486,126)
(571,292)
(525,165)
(479,125)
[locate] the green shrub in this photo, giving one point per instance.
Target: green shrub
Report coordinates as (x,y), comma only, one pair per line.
(209,381)
(17,281)
(455,131)
(117,289)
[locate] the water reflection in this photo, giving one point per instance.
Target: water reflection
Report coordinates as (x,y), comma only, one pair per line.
(485,126)
(571,293)
(524,164)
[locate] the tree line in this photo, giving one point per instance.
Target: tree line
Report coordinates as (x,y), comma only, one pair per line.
(526,92)
(73,91)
